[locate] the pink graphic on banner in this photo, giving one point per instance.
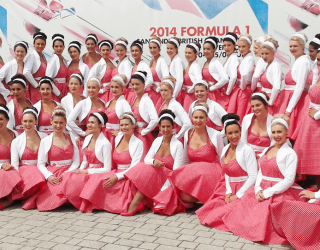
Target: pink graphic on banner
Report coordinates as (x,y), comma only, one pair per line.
(184,5)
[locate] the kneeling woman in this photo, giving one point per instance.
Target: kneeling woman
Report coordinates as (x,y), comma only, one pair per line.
(239,165)
(96,151)
(24,155)
(112,191)
(197,179)
(164,155)
(58,153)
(275,183)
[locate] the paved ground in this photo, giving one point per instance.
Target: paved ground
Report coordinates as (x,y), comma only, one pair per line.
(69,229)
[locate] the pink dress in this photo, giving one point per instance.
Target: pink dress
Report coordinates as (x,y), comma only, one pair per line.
(184,98)
(114,199)
(33,180)
(310,78)
(210,124)
(107,96)
(198,179)
(298,222)
(256,142)
(113,119)
(128,92)
(307,137)
(74,183)
(34,92)
(154,96)
(60,80)
(266,84)
(44,121)
(49,198)
(283,100)
(251,219)
(87,61)
(18,117)
(114,72)
(218,95)
(216,208)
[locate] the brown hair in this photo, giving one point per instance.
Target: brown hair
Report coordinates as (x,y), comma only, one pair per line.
(59,111)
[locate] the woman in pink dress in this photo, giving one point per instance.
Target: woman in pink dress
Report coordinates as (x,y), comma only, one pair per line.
(24,155)
(58,154)
(260,65)
(197,178)
(46,105)
(216,111)
(143,108)
(314,45)
(9,176)
(112,191)
(241,91)
(151,177)
(214,73)
(291,100)
(96,151)
(275,183)
(191,76)
(91,57)
(240,169)
(158,67)
(256,127)
(57,67)
(103,69)
(18,103)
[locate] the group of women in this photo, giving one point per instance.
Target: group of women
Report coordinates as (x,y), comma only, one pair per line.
(125,137)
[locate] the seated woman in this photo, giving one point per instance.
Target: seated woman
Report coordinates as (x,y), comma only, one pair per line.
(58,154)
(24,157)
(201,171)
(275,183)
(164,156)
(112,191)
(240,169)
(256,127)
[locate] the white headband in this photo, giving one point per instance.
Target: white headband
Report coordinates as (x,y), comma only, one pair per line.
(301,36)
(134,44)
(200,108)
(105,43)
(260,39)
(38,36)
(155,41)
(194,46)
(99,117)
(77,75)
(166,115)
(74,45)
(140,74)
(22,42)
(21,80)
(246,38)
(121,42)
(1,108)
(210,40)
(174,41)
(118,78)
(46,79)
(231,37)
(261,95)
(56,110)
(30,110)
(95,80)
(57,37)
(316,40)
(169,81)
(229,120)
(270,44)
(130,117)
(280,120)
(203,82)
(93,37)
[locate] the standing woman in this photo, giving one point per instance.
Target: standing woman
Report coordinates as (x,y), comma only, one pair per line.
(214,73)
(46,105)
(9,176)
(24,157)
(103,69)
(291,100)
(271,78)
(57,66)
(191,75)
(240,97)
(261,64)
(112,191)
(216,111)
(91,57)
(197,178)
(58,154)
(124,66)
(158,67)
(314,47)
(240,169)
(143,108)
(164,156)
(275,183)
(18,103)
(256,127)
(182,122)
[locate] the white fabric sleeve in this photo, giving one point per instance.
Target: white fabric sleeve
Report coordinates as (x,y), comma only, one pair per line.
(152,112)
(127,69)
(317,195)
(27,70)
(223,76)
(276,78)
(107,161)
(4,71)
(71,121)
(233,75)
(246,77)
(220,144)
(42,160)
(14,155)
(186,122)
(228,187)
(76,157)
(84,163)
(317,115)
(149,158)
(149,79)
(185,157)
(51,68)
(164,69)
(196,75)
(257,187)
(179,78)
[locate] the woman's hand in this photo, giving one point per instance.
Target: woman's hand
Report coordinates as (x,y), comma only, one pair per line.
(78,141)
(55,180)
(312,112)
(82,171)
(6,166)
(110,181)
(287,114)
(306,194)
(257,157)
(233,198)
(260,196)
(157,164)
(115,132)
(227,198)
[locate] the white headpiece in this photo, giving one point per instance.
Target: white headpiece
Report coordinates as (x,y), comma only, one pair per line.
(21,80)
(246,38)
(105,43)
(38,36)
(261,39)
(140,74)
(122,43)
(155,41)
(261,95)
(301,36)
(280,120)
(169,81)
(93,37)
(73,45)
(57,110)
(203,82)
(131,118)
(316,40)
(95,80)
(57,38)
(22,43)
(212,41)
(174,41)
(30,110)
(270,44)
(2,108)
(141,47)
(194,46)
(99,117)
(77,75)
(46,79)
(203,108)
(231,37)
(166,115)
(225,123)
(118,78)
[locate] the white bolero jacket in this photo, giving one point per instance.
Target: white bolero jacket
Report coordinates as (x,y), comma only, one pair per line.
(143,66)
(218,72)
(195,74)
(231,67)
(176,69)
(125,67)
